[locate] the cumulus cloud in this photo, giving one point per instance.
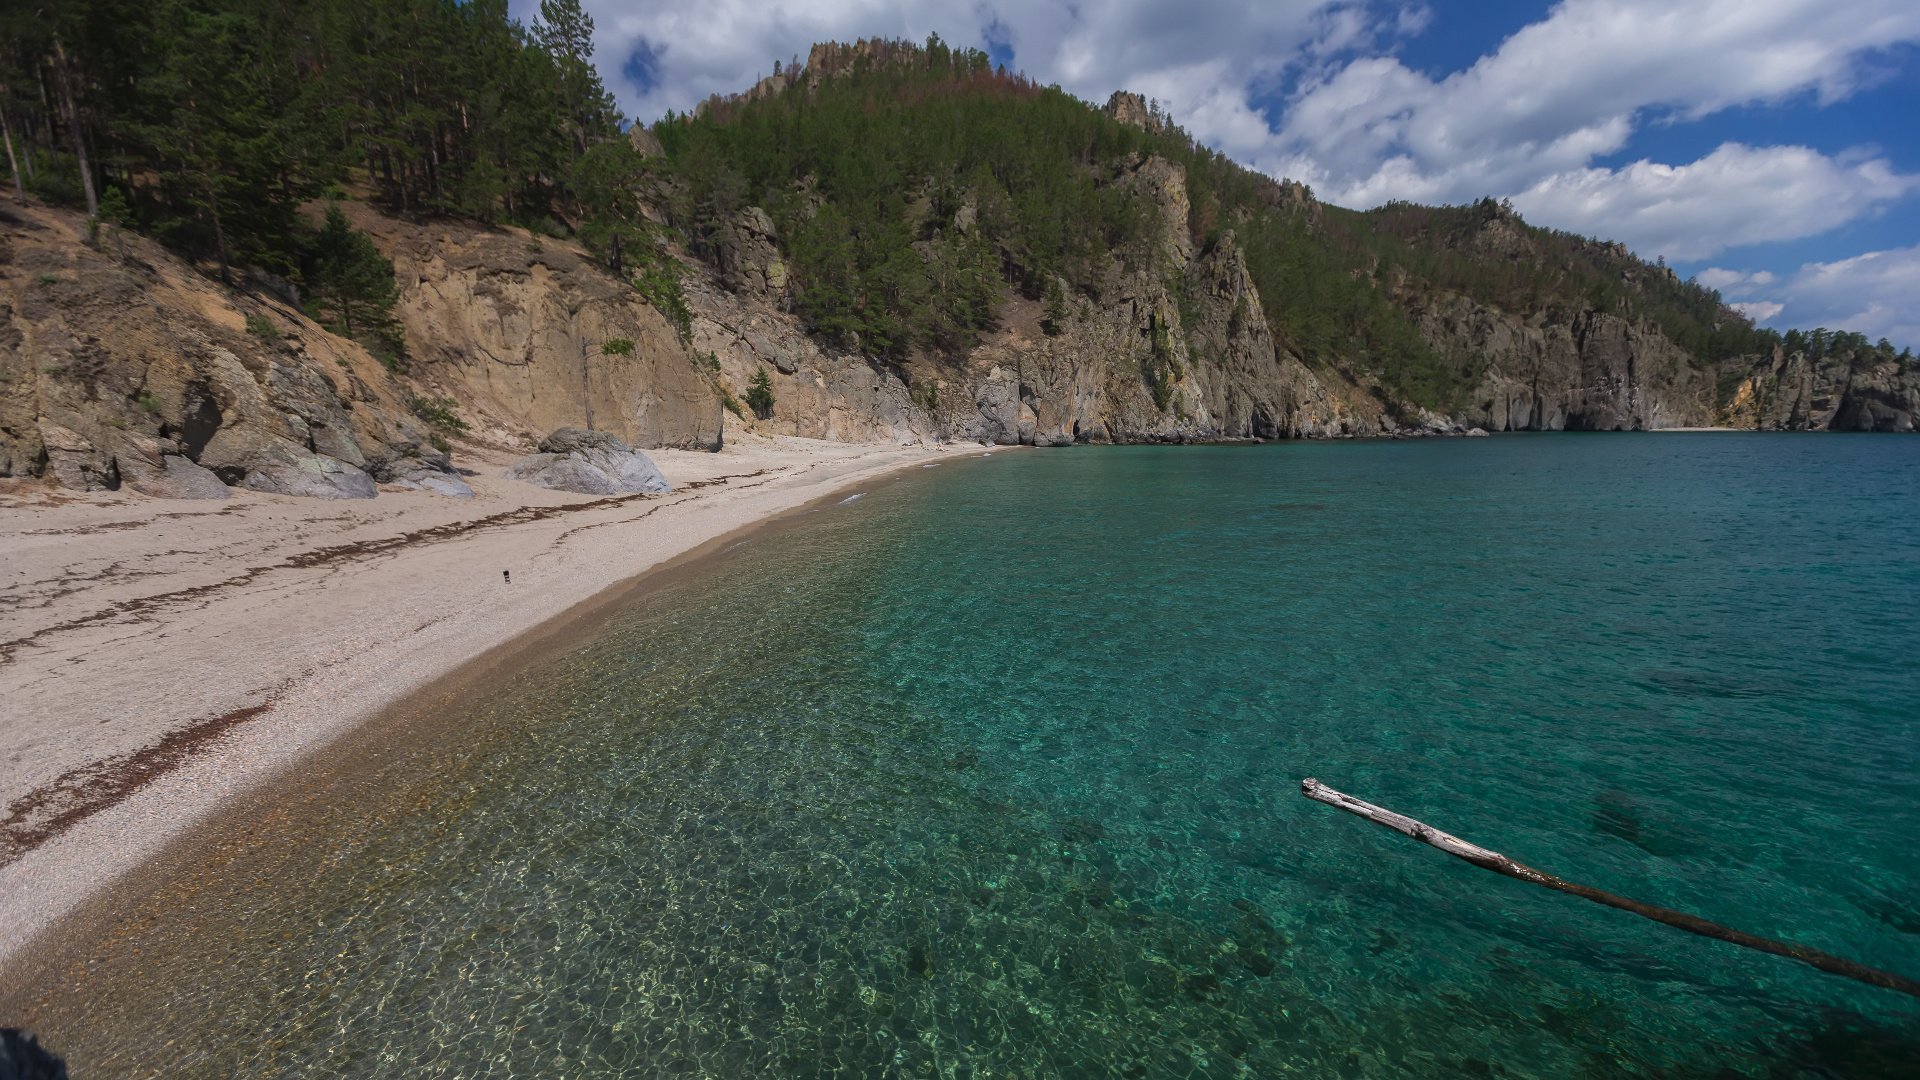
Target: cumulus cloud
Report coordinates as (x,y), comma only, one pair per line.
(1574,86)
(1315,90)
(1734,196)
(1530,118)
(1759,310)
(1203,61)
(1873,294)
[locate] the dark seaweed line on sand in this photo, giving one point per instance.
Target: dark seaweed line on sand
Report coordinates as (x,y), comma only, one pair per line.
(138,608)
(77,794)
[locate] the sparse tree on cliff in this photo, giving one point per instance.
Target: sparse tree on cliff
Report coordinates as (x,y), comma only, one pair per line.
(760,394)
(352,285)
(1055,318)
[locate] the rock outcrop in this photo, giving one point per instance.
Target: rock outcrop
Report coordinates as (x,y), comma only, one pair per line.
(529,335)
(591,463)
(1793,392)
(120,366)
(750,261)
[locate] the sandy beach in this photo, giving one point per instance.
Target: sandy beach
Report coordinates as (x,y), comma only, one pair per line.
(159,658)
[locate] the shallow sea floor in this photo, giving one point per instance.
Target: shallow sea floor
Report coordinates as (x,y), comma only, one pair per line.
(994,772)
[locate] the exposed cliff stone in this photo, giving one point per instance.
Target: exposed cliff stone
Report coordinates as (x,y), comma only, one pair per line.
(1595,372)
(1793,392)
(1131,108)
(529,335)
(819,393)
(750,260)
(589,462)
(120,366)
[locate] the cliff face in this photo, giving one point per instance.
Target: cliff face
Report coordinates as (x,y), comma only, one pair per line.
(119,365)
(1790,392)
(516,328)
(1593,372)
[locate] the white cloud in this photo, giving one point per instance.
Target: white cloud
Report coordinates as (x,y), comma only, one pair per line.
(1529,119)
(1874,294)
(1734,196)
(1759,310)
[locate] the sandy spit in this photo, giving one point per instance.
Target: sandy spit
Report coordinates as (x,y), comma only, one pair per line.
(160,658)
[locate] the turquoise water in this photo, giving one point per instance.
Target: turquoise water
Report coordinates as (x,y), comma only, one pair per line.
(994,772)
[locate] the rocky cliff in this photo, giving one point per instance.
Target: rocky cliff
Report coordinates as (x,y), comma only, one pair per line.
(528,335)
(119,365)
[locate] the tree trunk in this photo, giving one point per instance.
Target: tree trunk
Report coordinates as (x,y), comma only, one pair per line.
(219,233)
(73,127)
(13,163)
(1692,924)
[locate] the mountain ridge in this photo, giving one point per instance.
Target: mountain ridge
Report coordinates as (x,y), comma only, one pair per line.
(907,244)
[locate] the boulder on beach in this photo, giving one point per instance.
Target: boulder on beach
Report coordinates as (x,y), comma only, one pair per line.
(591,463)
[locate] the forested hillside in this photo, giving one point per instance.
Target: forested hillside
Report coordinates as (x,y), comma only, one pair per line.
(1013,263)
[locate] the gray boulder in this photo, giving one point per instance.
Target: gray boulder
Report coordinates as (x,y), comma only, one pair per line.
(427,471)
(591,463)
(312,476)
(173,478)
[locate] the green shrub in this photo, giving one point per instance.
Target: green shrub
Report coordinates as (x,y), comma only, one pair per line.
(732,403)
(47,279)
(262,327)
(438,412)
(617,346)
(147,401)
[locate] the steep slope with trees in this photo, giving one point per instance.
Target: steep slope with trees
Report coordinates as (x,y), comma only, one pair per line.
(889,240)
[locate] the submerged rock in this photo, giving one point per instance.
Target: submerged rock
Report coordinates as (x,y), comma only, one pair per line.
(591,463)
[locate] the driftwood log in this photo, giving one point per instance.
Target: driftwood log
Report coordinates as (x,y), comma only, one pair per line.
(1500,864)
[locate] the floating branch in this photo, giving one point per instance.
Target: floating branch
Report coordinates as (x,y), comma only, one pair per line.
(1500,864)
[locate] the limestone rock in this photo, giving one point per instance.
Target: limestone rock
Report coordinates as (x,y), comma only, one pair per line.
(591,463)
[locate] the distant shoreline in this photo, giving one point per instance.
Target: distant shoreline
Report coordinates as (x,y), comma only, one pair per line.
(155,612)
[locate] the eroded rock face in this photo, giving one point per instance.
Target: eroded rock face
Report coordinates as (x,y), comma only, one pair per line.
(750,260)
(1596,372)
(529,335)
(591,463)
(1792,392)
(819,393)
(121,366)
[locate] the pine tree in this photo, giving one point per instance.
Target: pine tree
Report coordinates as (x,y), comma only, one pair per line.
(352,286)
(565,31)
(760,394)
(1055,318)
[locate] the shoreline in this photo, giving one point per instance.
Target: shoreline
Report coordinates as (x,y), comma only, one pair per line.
(329,620)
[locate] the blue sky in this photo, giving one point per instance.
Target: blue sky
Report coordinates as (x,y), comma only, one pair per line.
(1768,147)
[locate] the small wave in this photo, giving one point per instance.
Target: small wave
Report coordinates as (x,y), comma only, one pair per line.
(852,497)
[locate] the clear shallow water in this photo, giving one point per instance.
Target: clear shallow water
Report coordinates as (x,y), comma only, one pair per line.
(994,772)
